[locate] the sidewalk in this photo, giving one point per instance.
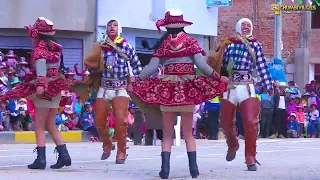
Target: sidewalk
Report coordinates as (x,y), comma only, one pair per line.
(26,137)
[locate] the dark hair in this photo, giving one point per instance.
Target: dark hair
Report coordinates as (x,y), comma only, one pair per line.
(111,21)
(145,44)
(47,40)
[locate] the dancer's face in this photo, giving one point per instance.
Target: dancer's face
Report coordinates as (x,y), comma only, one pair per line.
(245,28)
(112,28)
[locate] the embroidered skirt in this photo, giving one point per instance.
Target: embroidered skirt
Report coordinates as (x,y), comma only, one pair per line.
(176,93)
(28,90)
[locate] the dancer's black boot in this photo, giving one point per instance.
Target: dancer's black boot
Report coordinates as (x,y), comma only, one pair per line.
(63,157)
(193,166)
(40,162)
(165,167)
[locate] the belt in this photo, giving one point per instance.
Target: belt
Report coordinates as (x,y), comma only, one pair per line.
(113,84)
(241,77)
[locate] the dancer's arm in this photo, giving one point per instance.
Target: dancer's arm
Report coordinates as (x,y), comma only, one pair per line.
(93,58)
(149,69)
(41,70)
(200,61)
(133,59)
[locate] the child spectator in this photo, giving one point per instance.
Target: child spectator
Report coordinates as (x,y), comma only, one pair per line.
(68,117)
(292,106)
(130,121)
(87,122)
(23,115)
(313,116)
(313,98)
(300,118)
(5,118)
(110,119)
(292,126)
(305,98)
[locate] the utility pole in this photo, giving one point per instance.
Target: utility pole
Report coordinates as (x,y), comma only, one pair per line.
(278,33)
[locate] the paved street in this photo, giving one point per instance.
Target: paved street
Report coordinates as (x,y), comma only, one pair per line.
(281,159)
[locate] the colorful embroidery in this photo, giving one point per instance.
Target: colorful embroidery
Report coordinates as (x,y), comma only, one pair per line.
(181,46)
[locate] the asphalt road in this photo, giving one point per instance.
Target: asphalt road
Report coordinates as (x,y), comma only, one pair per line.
(283,159)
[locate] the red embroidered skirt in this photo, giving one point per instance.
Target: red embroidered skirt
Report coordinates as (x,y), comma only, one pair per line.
(29,88)
(173,90)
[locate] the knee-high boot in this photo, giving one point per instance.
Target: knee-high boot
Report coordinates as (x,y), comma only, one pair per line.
(120,107)
(40,162)
(228,125)
(165,165)
(63,157)
(193,166)
(250,110)
(102,125)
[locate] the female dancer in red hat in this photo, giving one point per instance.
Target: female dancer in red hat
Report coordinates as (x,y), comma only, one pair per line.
(44,87)
(178,90)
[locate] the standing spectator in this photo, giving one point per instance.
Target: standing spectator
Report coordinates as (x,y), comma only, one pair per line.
(280,111)
(313,116)
(292,106)
(305,98)
(313,98)
(239,124)
(292,126)
(130,121)
(300,116)
(213,109)
(266,113)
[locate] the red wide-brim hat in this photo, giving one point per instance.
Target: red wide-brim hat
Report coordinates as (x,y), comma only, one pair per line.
(173,19)
(41,26)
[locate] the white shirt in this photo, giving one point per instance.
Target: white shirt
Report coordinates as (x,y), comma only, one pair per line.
(314,115)
(282,103)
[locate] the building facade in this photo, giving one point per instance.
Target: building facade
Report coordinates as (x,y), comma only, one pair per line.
(74,20)
(302,64)
(138,18)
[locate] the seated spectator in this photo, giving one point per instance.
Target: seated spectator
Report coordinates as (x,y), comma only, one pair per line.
(5,118)
(69,118)
(13,114)
(59,123)
(15,82)
(292,126)
(87,122)
(23,115)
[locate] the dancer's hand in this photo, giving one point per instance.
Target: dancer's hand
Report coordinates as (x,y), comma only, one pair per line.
(224,79)
(40,91)
(129,88)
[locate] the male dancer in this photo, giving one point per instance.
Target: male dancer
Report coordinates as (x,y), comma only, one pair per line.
(108,66)
(242,56)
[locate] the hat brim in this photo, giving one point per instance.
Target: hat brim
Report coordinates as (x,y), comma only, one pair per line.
(49,33)
(178,24)
(68,112)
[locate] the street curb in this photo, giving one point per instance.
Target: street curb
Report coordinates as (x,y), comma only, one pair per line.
(28,137)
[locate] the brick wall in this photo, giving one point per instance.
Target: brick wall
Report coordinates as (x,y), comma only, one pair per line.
(263,21)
